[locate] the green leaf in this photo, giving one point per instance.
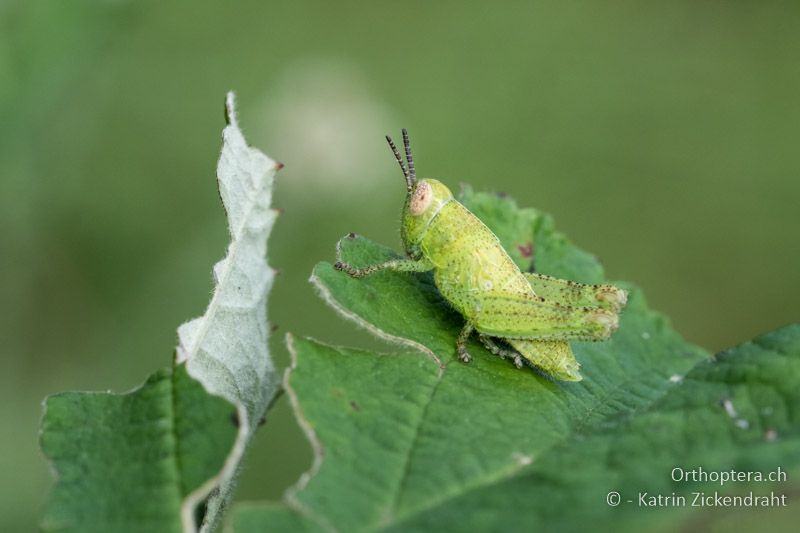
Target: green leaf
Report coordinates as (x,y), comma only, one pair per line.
(125,462)
(147,460)
(416,441)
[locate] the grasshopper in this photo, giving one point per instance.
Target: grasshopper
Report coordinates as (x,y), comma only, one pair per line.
(526,317)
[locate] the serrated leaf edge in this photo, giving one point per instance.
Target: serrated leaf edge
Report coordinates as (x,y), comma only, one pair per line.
(325,293)
(318,450)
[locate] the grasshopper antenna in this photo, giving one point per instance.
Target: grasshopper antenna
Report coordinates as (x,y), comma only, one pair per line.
(409,182)
(412,174)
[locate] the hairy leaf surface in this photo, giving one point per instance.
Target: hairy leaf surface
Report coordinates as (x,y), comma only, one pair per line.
(148,460)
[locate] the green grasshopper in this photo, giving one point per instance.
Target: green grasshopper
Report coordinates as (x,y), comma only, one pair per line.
(536,315)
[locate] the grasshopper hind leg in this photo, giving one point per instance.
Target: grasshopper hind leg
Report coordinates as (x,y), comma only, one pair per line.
(578,294)
(551,358)
(502,353)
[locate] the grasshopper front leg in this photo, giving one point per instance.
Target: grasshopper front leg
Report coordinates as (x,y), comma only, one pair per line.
(398,265)
(415,264)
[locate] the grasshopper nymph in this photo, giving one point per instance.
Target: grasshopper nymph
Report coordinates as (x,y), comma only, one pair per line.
(536,315)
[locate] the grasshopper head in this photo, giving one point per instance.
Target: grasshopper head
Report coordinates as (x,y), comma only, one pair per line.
(423,203)
(424,199)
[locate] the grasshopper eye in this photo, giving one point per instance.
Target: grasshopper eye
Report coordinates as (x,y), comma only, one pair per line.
(421,200)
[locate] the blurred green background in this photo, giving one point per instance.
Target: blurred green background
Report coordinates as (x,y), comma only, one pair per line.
(663,137)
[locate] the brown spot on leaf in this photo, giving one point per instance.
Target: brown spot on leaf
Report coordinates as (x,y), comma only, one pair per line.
(355,405)
(526,249)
